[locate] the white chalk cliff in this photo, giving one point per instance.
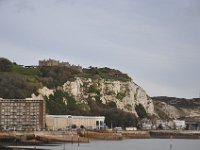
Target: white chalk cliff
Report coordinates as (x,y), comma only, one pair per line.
(126,95)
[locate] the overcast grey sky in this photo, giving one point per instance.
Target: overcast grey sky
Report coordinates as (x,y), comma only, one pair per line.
(156,42)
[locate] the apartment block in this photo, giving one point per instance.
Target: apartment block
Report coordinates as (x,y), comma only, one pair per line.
(22,114)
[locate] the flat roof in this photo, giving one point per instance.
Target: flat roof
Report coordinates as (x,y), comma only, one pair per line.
(76,117)
(11,100)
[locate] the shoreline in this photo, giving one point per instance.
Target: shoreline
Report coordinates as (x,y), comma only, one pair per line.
(177,134)
(47,137)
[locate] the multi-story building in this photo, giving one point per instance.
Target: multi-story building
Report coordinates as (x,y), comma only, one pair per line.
(22,114)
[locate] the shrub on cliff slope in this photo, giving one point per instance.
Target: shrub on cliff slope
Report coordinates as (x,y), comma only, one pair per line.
(61,103)
(105,73)
(55,104)
(5,65)
(15,82)
(114,116)
(56,75)
(13,85)
(141,111)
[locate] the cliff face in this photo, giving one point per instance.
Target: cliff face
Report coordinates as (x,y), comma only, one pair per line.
(171,107)
(126,95)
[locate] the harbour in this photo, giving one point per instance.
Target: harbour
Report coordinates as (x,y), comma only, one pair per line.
(127,144)
(80,140)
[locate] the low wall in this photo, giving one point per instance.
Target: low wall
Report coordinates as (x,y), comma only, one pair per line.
(175,134)
(103,135)
(136,134)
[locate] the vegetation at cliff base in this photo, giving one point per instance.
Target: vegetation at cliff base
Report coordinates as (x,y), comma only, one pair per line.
(141,111)
(56,106)
(114,116)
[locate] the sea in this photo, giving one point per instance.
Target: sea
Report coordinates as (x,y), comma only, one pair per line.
(128,144)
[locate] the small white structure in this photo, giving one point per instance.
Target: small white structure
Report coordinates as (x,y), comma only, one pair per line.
(162,124)
(179,124)
(131,128)
(146,124)
(55,122)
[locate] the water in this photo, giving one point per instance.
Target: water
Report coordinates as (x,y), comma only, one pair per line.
(131,144)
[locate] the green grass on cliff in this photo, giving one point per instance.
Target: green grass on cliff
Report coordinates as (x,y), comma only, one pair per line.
(17,81)
(105,73)
(25,71)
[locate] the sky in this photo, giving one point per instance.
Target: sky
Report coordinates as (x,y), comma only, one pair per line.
(156,42)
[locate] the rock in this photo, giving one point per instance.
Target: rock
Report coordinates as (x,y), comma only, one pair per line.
(126,95)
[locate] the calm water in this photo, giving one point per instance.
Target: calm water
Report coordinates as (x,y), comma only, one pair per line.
(132,144)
